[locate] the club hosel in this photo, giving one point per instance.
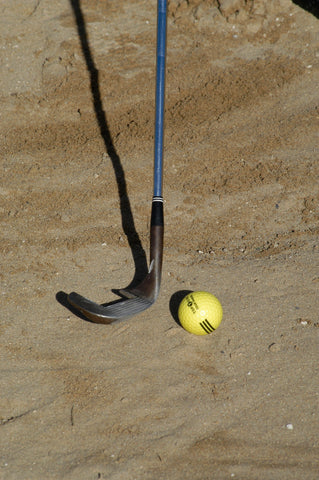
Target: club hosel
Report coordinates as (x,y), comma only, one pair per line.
(156,258)
(156,241)
(157,231)
(156,247)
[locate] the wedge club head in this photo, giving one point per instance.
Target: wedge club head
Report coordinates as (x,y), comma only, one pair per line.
(138,298)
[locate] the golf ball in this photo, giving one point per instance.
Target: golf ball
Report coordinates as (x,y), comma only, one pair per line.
(200,313)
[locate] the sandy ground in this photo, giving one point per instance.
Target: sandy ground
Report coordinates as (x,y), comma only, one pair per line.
(143,399)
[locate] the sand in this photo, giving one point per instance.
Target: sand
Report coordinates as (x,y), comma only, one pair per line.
(143,399)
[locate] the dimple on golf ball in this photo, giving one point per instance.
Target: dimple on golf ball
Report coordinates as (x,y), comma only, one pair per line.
(200,313)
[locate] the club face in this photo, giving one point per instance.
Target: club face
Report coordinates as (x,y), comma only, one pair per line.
(108,313)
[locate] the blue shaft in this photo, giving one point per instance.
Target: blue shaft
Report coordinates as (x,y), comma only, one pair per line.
(160,96)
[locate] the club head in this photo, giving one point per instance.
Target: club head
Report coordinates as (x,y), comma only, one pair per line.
(111,312)
(136,299)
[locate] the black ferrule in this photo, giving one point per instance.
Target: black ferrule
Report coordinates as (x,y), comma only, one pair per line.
(157,217)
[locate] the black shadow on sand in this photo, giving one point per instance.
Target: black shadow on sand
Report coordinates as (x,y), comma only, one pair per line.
(174,302)
(128,225)
(312,6)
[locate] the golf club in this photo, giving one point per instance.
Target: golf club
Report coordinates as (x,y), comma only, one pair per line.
(142,296)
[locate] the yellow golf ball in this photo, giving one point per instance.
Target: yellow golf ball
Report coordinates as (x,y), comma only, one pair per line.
(200,313)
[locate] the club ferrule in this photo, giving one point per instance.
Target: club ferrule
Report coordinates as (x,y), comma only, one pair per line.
(157,217)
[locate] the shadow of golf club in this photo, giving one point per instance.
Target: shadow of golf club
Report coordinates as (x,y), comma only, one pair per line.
(138,253)
(62,298)
(312,6)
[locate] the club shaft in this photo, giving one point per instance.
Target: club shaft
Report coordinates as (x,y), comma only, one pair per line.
(160,95)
